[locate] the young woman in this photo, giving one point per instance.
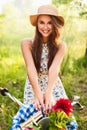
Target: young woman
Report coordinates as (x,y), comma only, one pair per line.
(43,56)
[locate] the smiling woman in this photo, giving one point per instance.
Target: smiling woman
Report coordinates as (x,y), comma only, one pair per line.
(46,53)
(43,56)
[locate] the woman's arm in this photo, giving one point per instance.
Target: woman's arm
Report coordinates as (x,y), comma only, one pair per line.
(53,72)
(26,46)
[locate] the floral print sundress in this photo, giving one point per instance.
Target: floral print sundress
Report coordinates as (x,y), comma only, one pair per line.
(58,90)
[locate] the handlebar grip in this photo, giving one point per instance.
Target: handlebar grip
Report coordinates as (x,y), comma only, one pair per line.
(3,91)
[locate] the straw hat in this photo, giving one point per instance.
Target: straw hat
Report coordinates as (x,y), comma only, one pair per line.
(47,10)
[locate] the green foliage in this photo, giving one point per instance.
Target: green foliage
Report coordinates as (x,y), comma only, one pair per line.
(81,62)
(83,14)
(58,120)
(2,17)
(56,2)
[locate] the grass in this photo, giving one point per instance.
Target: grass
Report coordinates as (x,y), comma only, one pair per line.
(76,84)
(13,74)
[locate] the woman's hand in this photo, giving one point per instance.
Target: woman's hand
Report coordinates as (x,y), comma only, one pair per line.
(49,101)
(39,102)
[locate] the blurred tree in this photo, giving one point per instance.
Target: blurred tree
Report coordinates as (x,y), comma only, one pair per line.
(86,50)
(58,2)
(2,18)
(73,9)
(12,19)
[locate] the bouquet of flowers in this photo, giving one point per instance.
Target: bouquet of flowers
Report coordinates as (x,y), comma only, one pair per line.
(60,114)
(58,117)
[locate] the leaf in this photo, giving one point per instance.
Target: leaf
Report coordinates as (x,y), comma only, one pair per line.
(58,120)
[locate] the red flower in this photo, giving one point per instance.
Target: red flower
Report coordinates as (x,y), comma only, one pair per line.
(63,105)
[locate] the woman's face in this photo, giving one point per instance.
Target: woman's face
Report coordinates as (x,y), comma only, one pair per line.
(45,26)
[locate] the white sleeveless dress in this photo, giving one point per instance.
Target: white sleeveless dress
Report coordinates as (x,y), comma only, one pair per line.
(58,90)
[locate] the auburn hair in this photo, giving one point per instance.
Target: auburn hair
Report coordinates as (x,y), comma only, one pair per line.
(52,44)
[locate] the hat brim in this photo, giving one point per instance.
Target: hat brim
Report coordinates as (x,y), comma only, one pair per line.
(33,19)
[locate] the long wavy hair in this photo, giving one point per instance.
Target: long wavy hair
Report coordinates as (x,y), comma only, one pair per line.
(52,44)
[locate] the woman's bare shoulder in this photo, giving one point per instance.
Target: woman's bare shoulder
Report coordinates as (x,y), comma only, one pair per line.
(27,41)
(62,45)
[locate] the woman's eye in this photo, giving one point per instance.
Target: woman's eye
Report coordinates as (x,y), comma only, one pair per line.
(41,22)
(50,22)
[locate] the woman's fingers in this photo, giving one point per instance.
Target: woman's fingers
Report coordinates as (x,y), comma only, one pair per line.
(49,102)
(44,103)
(39,104)
(48,107)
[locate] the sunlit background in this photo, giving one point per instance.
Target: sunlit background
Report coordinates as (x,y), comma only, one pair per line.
(15,26)
(34,4)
